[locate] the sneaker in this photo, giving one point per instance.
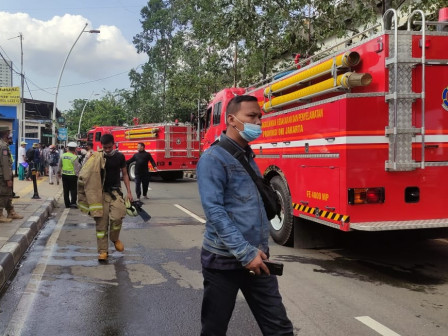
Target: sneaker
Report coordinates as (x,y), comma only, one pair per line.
(102,256)
(119,245)
(58,183)
(145,197)
(51,183)
(149,188)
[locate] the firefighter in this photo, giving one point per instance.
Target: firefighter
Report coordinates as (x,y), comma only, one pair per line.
(113,204)
(69,167)
(6,178)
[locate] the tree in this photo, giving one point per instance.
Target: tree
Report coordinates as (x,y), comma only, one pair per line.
(197,47)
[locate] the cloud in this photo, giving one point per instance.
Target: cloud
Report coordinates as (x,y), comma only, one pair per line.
(47,43)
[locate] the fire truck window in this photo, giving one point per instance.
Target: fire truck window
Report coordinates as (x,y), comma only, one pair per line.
(90,137)
(217,113)
(208,117)
(97,136)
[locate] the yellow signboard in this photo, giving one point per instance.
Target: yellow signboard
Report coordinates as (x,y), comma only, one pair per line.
(10,95)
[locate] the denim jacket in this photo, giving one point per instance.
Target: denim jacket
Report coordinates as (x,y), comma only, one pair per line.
(236,224)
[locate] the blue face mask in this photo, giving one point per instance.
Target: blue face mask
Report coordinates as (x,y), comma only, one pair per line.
(250,132)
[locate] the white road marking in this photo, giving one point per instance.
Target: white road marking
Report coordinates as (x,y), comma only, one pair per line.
(378,327)
(20,315)
(190,213)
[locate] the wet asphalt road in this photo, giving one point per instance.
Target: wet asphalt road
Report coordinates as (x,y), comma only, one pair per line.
(155,286)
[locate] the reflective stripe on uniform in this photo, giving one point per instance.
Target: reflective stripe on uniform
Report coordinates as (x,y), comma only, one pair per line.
(116,227)
(84,207)
(100,234)
(96,206)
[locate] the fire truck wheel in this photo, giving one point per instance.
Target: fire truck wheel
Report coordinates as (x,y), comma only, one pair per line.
(282,228)
(131,171)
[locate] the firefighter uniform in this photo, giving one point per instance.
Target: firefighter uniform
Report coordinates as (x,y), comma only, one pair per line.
(5,176)
(106,207)
(113,204)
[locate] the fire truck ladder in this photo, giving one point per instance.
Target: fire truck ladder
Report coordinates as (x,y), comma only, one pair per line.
(401,131)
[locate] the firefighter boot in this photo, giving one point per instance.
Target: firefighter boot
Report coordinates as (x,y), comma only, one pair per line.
(119,245)
(13,215)
(102,256)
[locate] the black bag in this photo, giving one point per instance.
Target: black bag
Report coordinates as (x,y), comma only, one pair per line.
(269,196)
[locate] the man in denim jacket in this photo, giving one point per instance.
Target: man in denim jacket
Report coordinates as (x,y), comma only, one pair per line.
(237,231)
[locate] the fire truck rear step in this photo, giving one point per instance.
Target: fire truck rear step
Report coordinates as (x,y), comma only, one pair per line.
(400,225)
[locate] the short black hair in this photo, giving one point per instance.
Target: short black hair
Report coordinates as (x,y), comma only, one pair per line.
(107,139)
(234,104)
(142,144)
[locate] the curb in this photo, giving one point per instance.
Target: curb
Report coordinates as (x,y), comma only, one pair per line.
(12,252)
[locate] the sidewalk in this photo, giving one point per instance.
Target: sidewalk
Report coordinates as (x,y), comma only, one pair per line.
(16,236)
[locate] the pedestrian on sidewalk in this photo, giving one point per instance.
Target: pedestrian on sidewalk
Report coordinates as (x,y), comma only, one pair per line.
(141,159)
(37,159)
(22,161)
(89,152)
(53,164)
(6,183)
(30,156)
(45,152)
(69,167)
(114,209)
(237,230)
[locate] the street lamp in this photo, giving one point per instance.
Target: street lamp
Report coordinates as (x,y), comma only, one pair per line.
(82,112)
(93,31)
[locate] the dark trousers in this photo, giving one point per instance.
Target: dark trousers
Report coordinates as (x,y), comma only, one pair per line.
(262,296)
(144,181)
(29,171)
(69,184)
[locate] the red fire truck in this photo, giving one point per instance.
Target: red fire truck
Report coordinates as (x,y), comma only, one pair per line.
(174,147)
(357,137)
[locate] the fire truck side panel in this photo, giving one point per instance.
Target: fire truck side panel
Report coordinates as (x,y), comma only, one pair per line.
(436,117)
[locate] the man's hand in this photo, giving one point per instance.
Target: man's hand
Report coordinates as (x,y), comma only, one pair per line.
(257,265)
(129,195)
(9,183)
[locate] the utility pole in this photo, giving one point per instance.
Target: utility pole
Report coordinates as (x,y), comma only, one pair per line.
(21,136)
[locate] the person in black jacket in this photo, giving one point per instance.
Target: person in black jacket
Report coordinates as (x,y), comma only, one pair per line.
(141,159)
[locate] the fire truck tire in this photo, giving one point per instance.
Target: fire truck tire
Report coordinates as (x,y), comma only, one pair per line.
(131,171)
(282,228)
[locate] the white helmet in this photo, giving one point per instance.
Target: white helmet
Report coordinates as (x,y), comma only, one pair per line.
(72,144)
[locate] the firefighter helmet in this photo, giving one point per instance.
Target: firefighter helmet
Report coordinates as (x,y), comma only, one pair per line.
(130,208)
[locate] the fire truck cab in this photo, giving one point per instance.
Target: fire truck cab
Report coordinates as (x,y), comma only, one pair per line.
(356,138)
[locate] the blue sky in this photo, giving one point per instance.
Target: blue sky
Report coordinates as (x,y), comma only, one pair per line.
(98,62)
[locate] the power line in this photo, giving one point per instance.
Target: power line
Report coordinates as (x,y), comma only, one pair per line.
(82,83)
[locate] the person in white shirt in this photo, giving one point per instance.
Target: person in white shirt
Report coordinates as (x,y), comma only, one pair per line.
(22,161)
